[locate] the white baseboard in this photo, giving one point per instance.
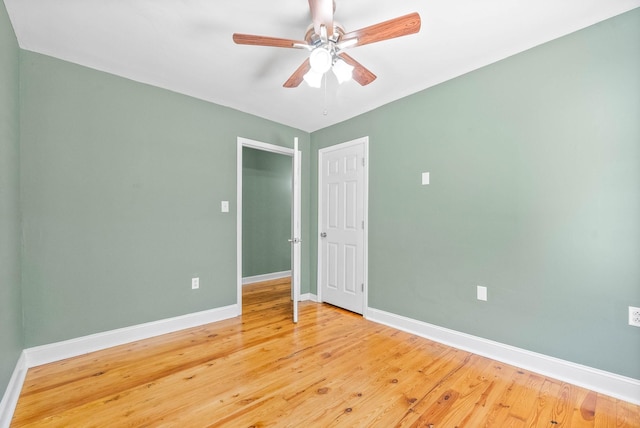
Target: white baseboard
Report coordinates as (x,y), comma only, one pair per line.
(308,296)
(12,393)
(44,354)
(265,277)
(621,387)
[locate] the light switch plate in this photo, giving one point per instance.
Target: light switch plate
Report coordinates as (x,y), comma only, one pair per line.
(425,178)
(482,293)
(224,206)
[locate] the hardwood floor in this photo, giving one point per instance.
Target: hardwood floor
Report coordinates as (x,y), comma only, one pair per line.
(331,369)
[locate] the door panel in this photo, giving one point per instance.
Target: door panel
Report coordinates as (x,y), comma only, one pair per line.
(350,268)
(333,208)
(351,205)
(332,265)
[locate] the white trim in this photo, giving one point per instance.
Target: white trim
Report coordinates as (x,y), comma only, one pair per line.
(265,277)
(12,393)
(365,142)
(308,297)
(44,354)
(239,223)
(365,250)
(621,387)
(253,144)
(259,145)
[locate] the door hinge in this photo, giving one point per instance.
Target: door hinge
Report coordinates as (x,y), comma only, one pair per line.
(362,287)
(362,224)
(362,161)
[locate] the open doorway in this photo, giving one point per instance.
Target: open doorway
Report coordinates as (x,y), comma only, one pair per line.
(266,215)
(266,241)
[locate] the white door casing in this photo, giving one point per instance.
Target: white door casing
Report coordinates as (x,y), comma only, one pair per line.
(342,224)
(296,197)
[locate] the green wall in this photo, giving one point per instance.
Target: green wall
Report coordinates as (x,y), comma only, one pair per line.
(535,194)
(535,170)
(121,190)
(11,337)
(266,212)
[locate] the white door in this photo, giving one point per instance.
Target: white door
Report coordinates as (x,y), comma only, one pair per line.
(295,229)
(342,225)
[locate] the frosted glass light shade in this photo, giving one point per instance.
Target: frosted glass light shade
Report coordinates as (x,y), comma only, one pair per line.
(343,71)
(313,79)
(320,60)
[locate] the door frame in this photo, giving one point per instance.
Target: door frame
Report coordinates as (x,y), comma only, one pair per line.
(258,145)
(365,194)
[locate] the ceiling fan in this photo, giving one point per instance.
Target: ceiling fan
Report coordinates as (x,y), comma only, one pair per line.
(326,41)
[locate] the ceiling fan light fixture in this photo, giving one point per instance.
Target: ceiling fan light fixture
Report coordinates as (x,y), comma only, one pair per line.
(320,60)
(325,40)
(313,79)
(342,71)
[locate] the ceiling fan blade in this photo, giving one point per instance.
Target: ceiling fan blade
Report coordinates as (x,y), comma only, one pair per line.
(397,27)
(298,76)
(250,39)
(322,14)
(361,74)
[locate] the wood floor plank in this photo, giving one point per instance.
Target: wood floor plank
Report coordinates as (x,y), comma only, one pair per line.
(400,409)
(394,395)
(542,411)
(332,369)
(605,409)
(627,415)
(446,404)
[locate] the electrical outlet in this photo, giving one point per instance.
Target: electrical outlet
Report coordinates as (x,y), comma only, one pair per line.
(195,283)
(634,316)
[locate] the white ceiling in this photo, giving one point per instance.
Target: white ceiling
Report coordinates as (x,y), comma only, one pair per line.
(186,46)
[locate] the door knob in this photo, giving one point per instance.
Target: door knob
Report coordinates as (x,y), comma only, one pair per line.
(323,234)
